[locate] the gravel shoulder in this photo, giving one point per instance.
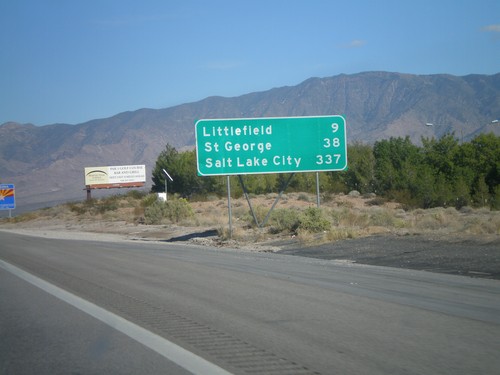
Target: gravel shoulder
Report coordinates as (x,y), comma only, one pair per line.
(473,256)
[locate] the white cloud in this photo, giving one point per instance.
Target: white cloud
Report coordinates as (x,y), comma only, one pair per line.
(492,28)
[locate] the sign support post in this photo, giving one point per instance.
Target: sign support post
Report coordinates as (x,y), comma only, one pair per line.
(229,207)
(243,146)
(165,173)
(317,189)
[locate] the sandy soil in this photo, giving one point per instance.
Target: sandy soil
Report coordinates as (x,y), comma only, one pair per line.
(460,253)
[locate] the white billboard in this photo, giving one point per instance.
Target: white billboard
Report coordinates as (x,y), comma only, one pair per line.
(115,175)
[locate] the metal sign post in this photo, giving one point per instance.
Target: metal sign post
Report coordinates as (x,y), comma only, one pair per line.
(270,145)
(229,208)
(165,175)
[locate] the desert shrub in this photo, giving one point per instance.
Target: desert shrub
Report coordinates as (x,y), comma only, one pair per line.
(178,209)
(313,220)
(384,218)
(283,220)
(431,219)
(224,233)
(303,197)
(136,194)
(138,211)
(28,216)
(95,206)
(350,218)
(77,208)
(173,211)
(91,206)
(148,200)
(154,213)
(260,213)
(196,197)
(377,201)
(326,197)
(337,234)
(475,225)
(105,205)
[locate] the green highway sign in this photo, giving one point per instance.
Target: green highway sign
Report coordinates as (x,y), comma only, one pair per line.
(270,145)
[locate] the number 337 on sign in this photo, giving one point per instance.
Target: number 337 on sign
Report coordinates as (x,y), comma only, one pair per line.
(328,159)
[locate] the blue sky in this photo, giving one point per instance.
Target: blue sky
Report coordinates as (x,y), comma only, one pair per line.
(70,61)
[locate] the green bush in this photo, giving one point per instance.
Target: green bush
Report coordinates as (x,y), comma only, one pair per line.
(377,201)
(149,199)
(441,172)
(260,213)
(105,205)
(172,211)
(313,220)
(136,194)
(303,197)
(178,210)
(153,213)
(283,220)
(94,206)
(383,218)
(77,208)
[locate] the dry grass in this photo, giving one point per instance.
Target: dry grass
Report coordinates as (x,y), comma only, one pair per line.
(348,217)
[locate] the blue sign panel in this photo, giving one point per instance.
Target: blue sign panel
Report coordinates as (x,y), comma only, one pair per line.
(7,197)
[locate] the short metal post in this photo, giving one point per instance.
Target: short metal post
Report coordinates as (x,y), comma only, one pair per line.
(229,208)
(317,188)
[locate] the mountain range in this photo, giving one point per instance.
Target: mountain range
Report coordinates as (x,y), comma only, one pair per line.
(46,163)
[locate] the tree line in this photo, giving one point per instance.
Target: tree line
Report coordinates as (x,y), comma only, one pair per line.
(438,173)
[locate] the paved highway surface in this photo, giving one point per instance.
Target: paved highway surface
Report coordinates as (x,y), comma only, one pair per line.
(88,307)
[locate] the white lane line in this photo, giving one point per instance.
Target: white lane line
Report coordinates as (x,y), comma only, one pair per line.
(169,350)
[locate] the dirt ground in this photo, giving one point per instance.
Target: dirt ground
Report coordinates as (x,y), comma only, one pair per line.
(446,250)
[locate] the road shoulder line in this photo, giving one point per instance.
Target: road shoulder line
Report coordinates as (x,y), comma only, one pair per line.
(162,346)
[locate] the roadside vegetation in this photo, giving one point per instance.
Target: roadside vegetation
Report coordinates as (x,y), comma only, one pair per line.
(442,188)
(439,173)
(340,216)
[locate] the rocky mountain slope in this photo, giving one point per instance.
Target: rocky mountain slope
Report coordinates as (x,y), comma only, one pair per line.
(46,162)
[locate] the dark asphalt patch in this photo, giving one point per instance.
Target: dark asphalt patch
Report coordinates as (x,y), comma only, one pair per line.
(459,257)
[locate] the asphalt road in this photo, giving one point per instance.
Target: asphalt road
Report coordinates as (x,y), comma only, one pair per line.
(255,313)
(42,334)
(457,256)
